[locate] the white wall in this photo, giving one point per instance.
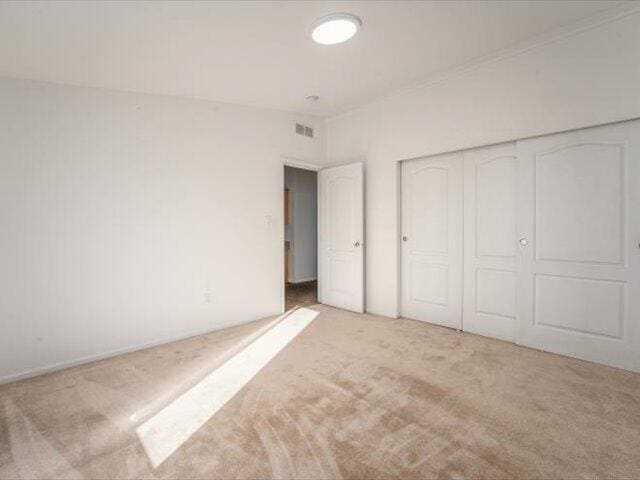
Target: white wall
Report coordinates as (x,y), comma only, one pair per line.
(303,230)
(122,214)
(587,78)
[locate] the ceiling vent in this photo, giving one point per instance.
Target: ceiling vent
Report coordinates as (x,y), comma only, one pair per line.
(304,130)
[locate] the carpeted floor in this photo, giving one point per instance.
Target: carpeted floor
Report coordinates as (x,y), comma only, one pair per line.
(352,396)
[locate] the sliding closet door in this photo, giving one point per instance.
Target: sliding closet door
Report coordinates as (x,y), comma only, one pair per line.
(490,241)
(579,218)
(432,240)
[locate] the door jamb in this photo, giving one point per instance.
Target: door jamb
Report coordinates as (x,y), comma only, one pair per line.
(399,169)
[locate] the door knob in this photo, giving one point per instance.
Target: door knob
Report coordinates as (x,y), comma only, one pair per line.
(356,243)
(405,238)
(524,242)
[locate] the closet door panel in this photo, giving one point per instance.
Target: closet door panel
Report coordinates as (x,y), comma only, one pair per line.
(579,217)
(431,284)
(490,241)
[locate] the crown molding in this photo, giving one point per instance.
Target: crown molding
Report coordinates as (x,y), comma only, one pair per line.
(531,44)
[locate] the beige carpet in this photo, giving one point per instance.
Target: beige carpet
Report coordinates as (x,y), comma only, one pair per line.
(353,396)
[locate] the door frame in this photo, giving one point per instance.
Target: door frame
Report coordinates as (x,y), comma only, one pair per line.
(303,165)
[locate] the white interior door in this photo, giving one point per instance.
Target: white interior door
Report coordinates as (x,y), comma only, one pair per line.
(490,241)
(341,232)
(579,223)
(431,288)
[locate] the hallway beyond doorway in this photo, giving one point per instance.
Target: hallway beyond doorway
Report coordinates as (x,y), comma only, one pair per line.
(301,294)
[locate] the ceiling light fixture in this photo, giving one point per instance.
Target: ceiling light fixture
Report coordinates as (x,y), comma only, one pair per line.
(335,28)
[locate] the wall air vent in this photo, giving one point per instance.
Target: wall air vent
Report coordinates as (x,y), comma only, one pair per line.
(304,130)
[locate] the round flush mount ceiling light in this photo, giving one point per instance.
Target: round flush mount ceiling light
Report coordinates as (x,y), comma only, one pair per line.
(335,28)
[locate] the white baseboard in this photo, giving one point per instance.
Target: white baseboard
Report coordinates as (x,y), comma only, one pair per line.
(303,280)
(14,377)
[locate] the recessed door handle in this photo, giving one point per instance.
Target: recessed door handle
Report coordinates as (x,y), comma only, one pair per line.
(405,239)
(356,243)
(524,242)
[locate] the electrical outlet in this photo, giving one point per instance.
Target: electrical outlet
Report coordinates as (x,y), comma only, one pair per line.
(208,296)
(269,221)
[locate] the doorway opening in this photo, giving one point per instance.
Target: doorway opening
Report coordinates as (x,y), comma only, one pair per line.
(300,237)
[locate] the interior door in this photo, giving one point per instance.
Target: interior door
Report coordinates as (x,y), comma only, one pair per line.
(579,219)
(489,306)
(341,237)
(431,286)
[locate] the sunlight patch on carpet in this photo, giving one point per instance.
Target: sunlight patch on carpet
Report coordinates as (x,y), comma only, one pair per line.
(168,429)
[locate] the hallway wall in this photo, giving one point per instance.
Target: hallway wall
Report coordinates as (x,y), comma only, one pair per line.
(303,230)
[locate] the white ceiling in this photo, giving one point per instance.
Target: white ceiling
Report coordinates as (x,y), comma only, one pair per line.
(260,53)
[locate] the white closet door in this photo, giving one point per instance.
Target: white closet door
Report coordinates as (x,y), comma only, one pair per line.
(579,223)
(432,240)
(490,241)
